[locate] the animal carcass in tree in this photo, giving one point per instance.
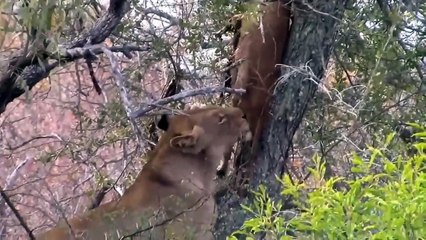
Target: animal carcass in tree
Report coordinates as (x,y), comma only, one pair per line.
(260,46)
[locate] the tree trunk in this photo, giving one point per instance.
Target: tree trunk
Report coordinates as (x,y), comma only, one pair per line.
(312,37)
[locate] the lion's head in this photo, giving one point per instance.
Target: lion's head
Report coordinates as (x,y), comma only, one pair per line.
(196,129)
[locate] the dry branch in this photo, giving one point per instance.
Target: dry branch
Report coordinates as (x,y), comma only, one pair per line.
(146,107)
(10,181)
(119,79)
(16,213)
(173,21)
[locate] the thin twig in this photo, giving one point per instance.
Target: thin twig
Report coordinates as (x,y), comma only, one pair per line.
(12,148)
(145,108)
(173,21)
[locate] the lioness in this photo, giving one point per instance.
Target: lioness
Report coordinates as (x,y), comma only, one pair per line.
(172,196)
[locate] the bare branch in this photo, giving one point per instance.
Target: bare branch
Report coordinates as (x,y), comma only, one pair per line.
(145,108)
(119,80)
(10,181)
(12,148)
(92,50)
(18,216)
(174,21)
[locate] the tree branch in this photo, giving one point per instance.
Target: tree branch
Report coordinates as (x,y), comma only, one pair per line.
(18,216)
(10,181)
(146,107)
(119,79)
(173,21)
(26,70)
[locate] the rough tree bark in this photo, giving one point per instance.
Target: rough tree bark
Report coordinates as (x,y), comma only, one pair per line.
(311,40)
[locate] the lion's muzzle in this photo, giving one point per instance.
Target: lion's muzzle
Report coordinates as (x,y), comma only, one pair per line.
(246,134)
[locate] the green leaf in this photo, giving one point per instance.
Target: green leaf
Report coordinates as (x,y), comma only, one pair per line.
(390,167)
(389,138)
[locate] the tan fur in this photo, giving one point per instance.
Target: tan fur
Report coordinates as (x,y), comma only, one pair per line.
(178,179)
(260,48)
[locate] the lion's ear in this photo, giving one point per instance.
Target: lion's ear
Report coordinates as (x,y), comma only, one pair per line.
(163,123)
(188,142)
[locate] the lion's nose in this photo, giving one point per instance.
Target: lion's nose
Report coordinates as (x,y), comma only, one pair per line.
(247,135)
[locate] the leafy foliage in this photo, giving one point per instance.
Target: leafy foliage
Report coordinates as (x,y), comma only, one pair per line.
(375,81)
(386,204)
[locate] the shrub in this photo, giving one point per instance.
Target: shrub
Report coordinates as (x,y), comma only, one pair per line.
(386,199)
